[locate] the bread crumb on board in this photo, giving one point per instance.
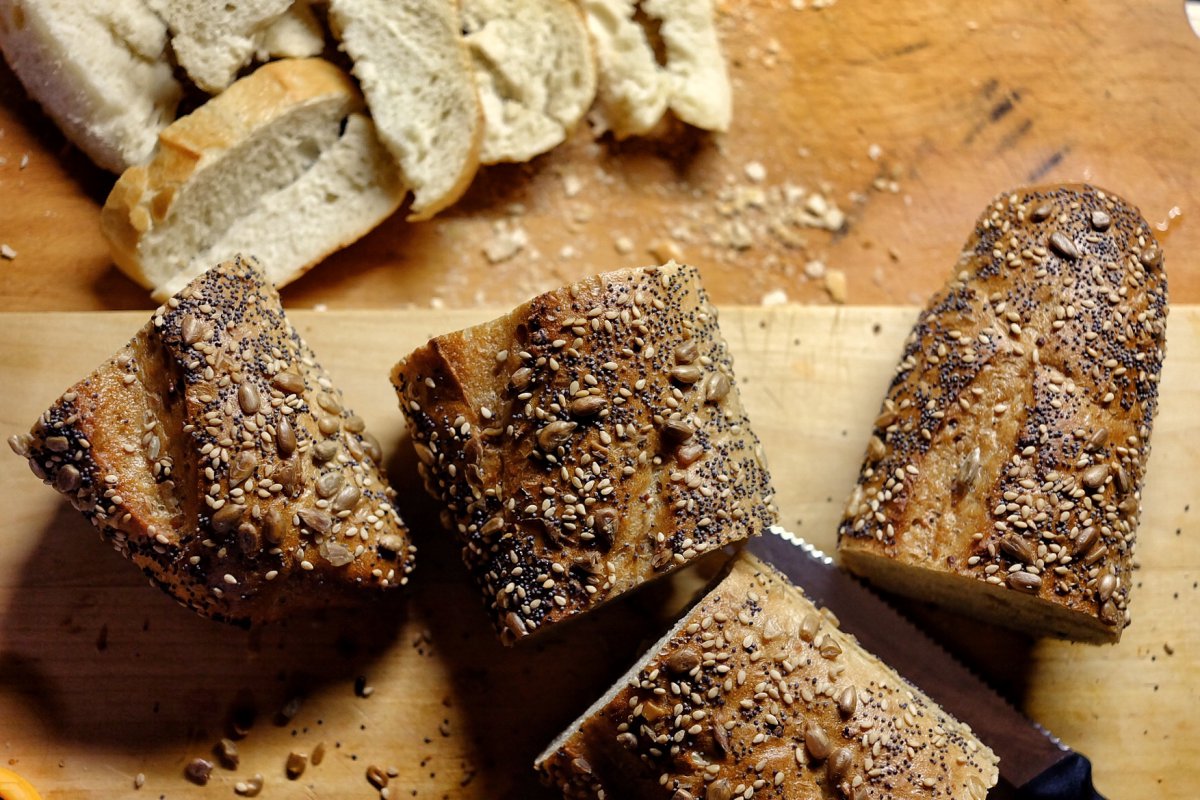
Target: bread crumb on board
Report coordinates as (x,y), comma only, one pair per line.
(505,243)
(7,253)
(775,297)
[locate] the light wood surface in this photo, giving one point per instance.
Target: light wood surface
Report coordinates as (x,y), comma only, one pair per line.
(963,99)
(103,677)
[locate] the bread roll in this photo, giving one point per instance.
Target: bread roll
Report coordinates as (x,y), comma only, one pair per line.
(1003,476)
(283,162)
(589,441)
(757,693)
(215,453)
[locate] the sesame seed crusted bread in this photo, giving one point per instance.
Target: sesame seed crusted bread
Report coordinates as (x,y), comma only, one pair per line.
(99,69)
(1003,476)
(588,442)
(535,70)
(757,692)
(215,453)
(284,162)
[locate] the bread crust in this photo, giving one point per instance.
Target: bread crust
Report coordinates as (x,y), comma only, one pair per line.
(144,194)
(758,688)
(1004,471)
(177,450)
(590,441)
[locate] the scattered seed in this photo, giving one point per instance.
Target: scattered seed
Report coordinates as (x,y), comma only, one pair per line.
(329,484)
(1018,549)
(1042,212)
(719,790)
(687,352)
(316,519)
(376,777)
(686,373)
(226,518)
(296,762)
(839,762)
(191,329)
(318,754)
(67,479)
(716,387)
(325,451)
(675,432)
(251,787)
(227,752)
(242,467)
(1100,220)
(198,771)
(347,499)
(1106,586)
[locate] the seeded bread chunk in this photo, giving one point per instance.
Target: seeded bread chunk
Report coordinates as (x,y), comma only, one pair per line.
(757,688)
(1004,473)
(588,442)
(215,453)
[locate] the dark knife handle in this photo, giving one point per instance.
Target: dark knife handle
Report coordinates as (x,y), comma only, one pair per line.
(1069,779)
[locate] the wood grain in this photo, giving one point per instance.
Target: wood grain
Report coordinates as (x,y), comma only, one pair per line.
(102,677)
(964,100)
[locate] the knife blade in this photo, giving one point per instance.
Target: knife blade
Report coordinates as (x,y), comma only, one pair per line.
(1033,762)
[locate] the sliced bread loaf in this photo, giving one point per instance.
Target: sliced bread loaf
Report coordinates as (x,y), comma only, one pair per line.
(282,162)
(535,71)
(99,69)
(411,61)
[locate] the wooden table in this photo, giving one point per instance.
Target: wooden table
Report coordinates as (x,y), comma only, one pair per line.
(907,116)
(961,100)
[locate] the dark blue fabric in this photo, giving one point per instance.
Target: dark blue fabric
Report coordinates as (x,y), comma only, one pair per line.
(1069,779)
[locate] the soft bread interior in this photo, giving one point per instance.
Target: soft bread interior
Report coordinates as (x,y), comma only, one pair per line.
(350,187)
(98,69)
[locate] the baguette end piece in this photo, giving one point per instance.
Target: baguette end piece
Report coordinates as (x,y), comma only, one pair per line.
(754,684)
(213,452)
(1005,469)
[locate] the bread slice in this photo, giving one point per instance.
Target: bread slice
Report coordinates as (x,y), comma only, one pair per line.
(213,40)
(635,91)
(535,71)
(99,69)
(1003,476)
(297,33)
(757,691)
(700,90)
(283,163)
(214,452)
(588,442)
(411,61)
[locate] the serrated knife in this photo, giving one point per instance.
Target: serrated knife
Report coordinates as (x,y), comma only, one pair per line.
(1033,763)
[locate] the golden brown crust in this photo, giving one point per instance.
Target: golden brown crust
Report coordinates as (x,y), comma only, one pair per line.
(143,196)
(1011,446)
(589,441)
(757,688)
(214,452)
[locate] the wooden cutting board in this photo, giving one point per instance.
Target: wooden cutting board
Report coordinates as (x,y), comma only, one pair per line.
(908,115)
(103,677)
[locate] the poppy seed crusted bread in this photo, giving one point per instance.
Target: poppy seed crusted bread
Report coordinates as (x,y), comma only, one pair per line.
(756,692)
(588,442)
(1004,473)
(216,454)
